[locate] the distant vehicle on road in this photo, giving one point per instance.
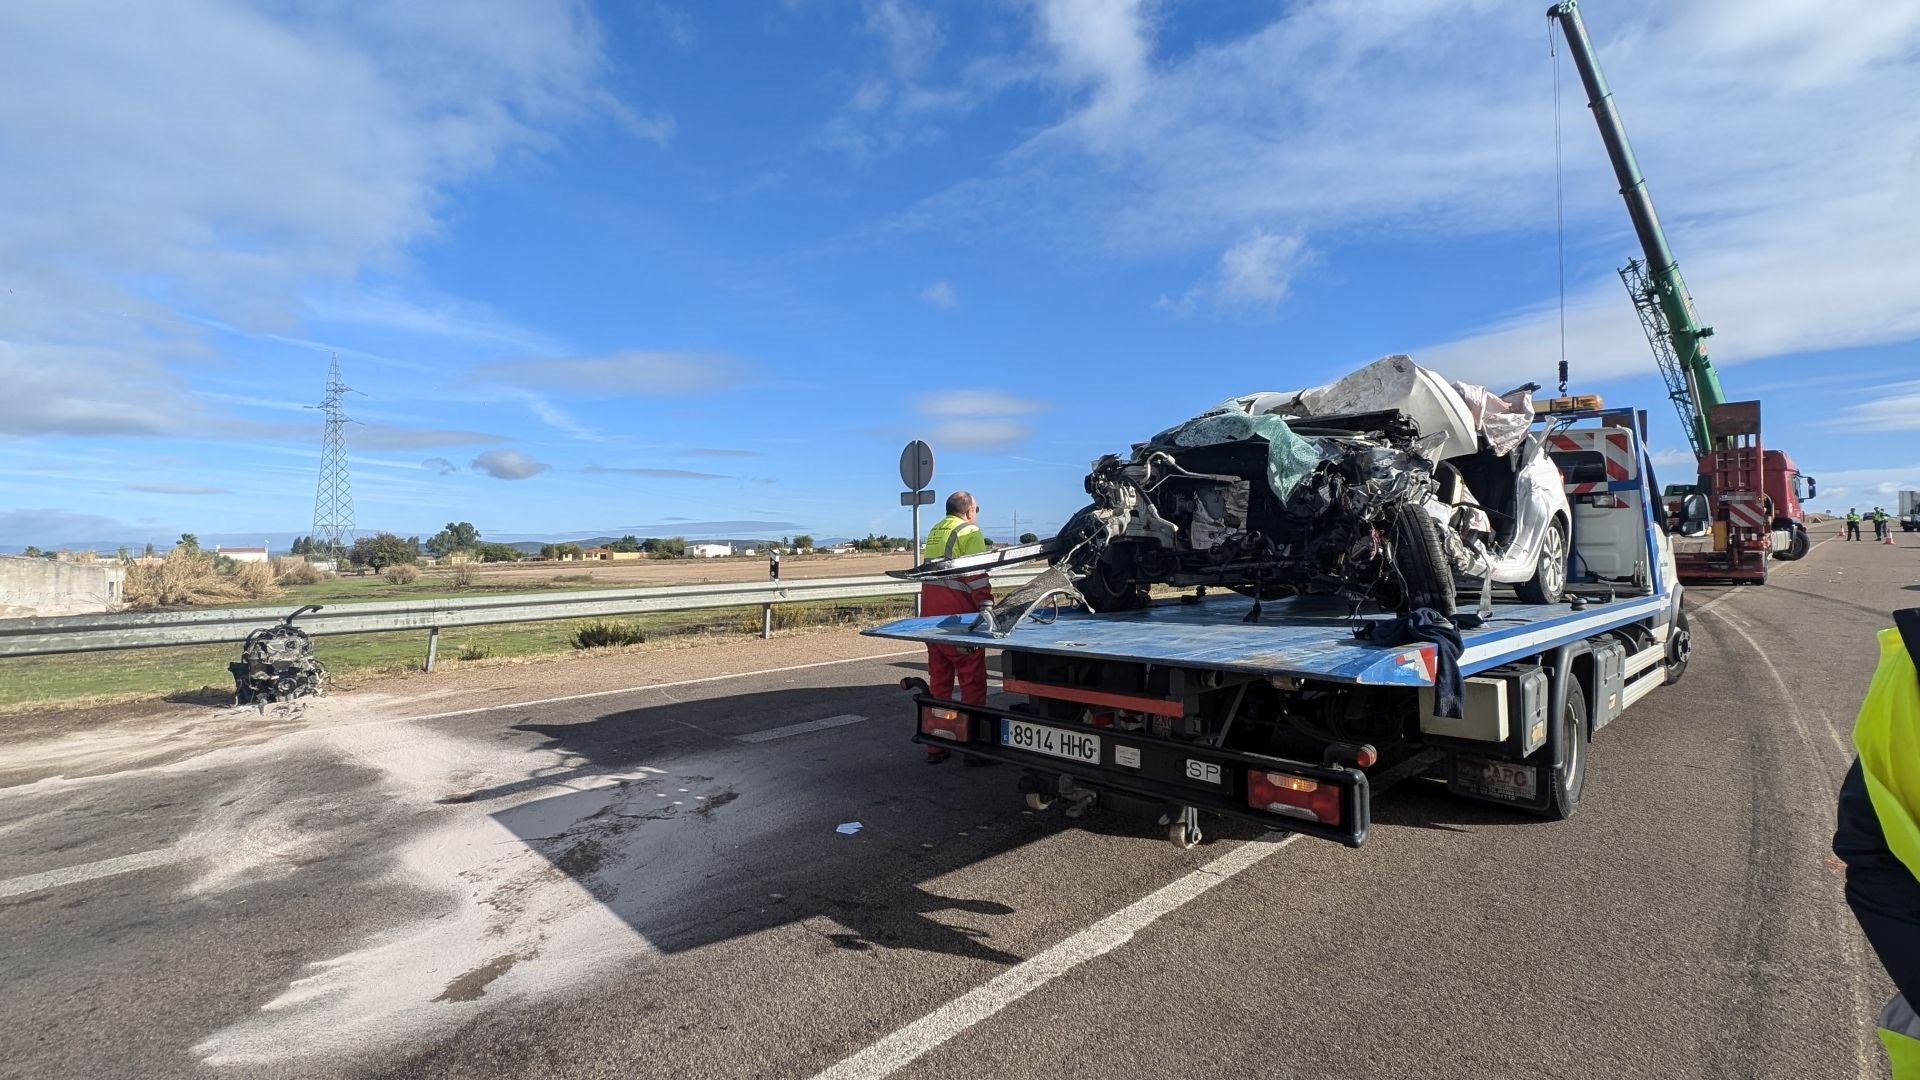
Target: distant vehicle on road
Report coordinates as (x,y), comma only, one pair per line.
(1910,511)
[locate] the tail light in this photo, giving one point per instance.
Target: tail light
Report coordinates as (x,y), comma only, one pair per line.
(1294,796)
(945,724)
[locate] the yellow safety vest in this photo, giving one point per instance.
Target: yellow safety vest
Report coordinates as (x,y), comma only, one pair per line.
(1887,733)
(952,537)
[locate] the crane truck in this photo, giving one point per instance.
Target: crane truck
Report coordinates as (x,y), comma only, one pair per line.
(1751,494)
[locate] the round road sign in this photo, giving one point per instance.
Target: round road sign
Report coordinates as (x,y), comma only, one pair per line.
(916,465)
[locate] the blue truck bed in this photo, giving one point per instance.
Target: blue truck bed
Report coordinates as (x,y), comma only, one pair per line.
(1300,637)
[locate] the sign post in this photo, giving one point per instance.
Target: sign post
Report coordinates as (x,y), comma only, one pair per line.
(916,471)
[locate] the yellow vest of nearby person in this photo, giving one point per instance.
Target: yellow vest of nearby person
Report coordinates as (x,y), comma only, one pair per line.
(1887,734)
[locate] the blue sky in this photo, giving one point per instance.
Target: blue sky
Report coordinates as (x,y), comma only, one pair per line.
(702,269)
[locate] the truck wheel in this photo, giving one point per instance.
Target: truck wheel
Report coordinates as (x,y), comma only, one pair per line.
(1679,648)
(1798,545)
(1569,778)
(1421,559)
(1549,578)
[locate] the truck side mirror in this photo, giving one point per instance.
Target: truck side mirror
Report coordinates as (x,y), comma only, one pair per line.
(1696,514)
(1813,488)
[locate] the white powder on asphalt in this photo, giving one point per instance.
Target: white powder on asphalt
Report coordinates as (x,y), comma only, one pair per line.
(514,925)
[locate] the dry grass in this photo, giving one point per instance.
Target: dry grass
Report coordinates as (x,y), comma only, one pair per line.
(292,570)
(188,578)
(462,576)
(400,575)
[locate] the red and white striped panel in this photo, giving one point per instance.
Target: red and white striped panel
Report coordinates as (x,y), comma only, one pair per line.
(1746,512)
(1614,446)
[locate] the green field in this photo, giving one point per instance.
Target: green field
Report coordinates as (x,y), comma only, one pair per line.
(372,588)
(199,672)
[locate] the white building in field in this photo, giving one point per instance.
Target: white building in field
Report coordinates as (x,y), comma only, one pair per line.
(243,554)
(709,551)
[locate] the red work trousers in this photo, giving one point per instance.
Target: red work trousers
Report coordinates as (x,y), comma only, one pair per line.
(948,665)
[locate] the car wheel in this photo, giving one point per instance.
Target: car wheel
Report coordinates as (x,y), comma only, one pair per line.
(1420,557)
(1566,781)
(1679,648)
(1549,580)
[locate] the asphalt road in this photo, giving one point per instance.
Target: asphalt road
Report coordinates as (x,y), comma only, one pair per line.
(655,884)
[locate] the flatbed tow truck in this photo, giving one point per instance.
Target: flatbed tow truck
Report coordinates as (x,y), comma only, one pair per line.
(1284,717)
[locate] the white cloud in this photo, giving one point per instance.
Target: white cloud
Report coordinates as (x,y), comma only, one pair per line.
(164,170)
(979,403)
(980,434)
(656,474)
(677,26)
(174,489)
(440,466)
(561,420)
(1104,45)
(979,419)
(1431,121)
(909,34)
(940,294)
(509,465)
(1254,275)
(664,372)
(1673,459)
(1894,407)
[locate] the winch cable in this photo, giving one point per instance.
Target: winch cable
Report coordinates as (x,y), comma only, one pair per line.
(1559,204)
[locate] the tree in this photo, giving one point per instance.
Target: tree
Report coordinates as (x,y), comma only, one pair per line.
(549,551)
(190,542)
(457,536)
(1029,538)
(496,553)
(301,545)
(803,542)
(31,552)
(382,550)
(628,542)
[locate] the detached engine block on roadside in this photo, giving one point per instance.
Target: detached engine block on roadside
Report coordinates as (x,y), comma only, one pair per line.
(277,664)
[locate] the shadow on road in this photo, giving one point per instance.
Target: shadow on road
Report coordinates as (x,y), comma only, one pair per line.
(693,837)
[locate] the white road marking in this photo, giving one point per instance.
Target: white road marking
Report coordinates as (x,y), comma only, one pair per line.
(73,875)
(802,728)
(904,1046)
(654,686)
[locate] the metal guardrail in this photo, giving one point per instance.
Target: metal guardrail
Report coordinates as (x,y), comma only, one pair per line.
(213,626)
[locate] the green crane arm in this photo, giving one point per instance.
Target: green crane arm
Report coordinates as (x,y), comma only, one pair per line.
(1659,292)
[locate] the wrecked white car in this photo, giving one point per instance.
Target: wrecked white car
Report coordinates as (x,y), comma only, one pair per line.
(1391,486)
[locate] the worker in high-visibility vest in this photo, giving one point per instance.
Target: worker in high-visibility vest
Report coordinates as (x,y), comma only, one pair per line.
(951,537)
(1879,833)
(1853,523)
(1879,523)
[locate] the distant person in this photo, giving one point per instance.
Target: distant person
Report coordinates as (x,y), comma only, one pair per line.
(950,538)
(1853,523)
(1878,836)
(1879,523)
(773,564)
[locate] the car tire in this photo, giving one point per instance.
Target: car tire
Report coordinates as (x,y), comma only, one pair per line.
(1420,557)
(1798,546)
(1679,648)
(1567,781)
(1549,581)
